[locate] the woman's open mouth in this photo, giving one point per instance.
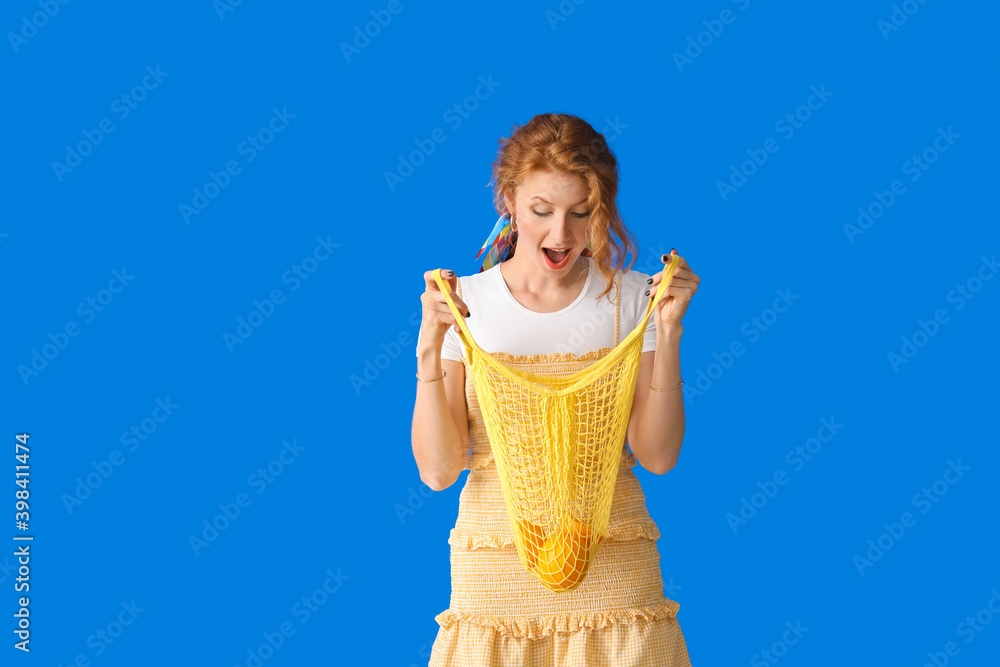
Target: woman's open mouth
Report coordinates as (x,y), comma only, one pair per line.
(556,259)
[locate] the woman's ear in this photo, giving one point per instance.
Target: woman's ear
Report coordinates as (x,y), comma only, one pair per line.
(508,202)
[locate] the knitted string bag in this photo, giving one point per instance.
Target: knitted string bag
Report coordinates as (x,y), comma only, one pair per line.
(557,442)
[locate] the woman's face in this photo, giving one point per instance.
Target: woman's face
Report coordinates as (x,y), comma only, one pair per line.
(552,215)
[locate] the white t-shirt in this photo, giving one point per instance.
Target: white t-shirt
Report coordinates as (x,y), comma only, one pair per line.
(500,324)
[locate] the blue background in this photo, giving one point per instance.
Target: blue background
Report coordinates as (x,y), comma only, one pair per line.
(336,506)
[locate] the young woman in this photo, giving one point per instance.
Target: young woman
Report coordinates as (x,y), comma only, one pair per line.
(553,298)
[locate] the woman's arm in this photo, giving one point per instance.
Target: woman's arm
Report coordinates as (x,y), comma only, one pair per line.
(656,422)
(440,432)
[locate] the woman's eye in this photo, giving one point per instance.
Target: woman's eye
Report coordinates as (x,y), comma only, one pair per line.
(542,215)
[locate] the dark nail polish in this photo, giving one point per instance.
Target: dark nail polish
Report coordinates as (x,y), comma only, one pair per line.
(451,274)
(647,292)
(649,282)
(672,250)
(468,314)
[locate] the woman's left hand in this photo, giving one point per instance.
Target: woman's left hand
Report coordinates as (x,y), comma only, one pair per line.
(677,294)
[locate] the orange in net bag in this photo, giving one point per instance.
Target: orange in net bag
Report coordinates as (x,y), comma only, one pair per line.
(556,441)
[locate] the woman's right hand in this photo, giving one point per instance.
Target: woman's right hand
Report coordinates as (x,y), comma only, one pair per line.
(437,316)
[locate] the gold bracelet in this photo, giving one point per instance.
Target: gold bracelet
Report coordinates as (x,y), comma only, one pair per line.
(443,373)
(668,388)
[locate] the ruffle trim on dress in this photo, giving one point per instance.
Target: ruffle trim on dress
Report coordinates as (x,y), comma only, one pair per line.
(549,357)
(478,461)
(645,529)
(535,628)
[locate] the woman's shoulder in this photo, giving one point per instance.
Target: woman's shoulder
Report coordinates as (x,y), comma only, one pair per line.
(634,300)
(472,284)
(479,281)
(633,281)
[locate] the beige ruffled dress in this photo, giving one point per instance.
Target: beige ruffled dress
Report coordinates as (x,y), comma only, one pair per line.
(500,615)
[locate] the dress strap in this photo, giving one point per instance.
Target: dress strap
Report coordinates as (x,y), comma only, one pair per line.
(458,290)
(618,294)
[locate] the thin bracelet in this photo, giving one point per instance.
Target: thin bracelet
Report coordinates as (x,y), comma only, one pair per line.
(443,373)
(668,388)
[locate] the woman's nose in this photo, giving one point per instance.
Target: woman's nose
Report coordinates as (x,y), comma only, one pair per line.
(563,227)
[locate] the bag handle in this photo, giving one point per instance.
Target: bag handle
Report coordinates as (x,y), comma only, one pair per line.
(669,267)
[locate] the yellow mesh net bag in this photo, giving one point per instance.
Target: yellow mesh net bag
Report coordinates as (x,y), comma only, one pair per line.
(557,445)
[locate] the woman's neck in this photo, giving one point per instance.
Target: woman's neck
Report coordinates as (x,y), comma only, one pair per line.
(539,292)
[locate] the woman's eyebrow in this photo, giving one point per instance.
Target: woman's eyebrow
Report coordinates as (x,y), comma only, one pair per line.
(582,201)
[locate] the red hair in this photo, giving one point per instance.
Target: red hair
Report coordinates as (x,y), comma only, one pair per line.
(567,143)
